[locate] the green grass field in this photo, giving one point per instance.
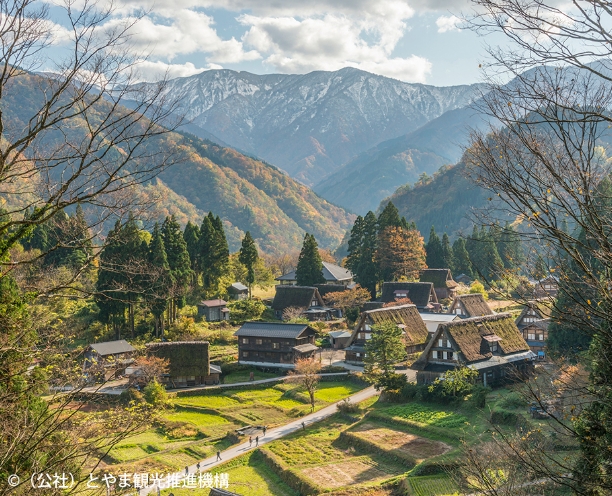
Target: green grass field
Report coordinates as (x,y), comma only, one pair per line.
(432,485)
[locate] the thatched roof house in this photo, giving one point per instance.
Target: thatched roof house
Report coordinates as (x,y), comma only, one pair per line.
(305,298)
(470,305)
(442,279)
(189,362)
(405,317)
(421,294)
(490,344)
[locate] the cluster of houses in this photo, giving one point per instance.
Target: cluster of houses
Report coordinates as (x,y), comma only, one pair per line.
(465,332)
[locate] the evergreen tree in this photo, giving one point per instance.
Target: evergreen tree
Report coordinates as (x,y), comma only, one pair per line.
(461,258)
(309,269)
(213,252)
(389,217)
(248,257)
(191,235)
(383,351)
(355,243)
(435,256)
(447,253)
(367,270)
(179,263)
(161,279)
(509,247)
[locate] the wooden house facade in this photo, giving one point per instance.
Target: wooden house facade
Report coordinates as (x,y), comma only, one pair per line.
(533,322)
(442,279)
(491,345)
(406,317)
(470,305)
(111,358)
(238,291)
(189,363)
(421,294)
(275,343)
(213,310)
(546,288)
(306,299)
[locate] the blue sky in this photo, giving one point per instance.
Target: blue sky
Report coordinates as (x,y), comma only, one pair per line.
(414,41)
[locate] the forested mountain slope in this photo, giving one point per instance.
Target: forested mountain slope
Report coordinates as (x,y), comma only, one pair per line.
(246,193)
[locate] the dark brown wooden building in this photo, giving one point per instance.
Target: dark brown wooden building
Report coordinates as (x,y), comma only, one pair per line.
(442,279)
(275,343)
(470,305)
(492,345)
(213,310)
(546,288)
(406,317)
(421,294)
(306,299)
(189,363)
(533,322)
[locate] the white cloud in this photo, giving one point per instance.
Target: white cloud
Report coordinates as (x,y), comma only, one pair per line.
(183,32)
(331,42)
(448,23)
(155,71)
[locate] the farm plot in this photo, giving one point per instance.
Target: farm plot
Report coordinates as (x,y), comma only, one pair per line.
(358,470)
(417,447)
(432,485)
(427,415)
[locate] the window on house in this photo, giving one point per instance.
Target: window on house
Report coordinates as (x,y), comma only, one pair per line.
(540,337)
(276,346)
(367,327)
(445,355)
(245,354)
(434,354)
(314,303)
(441,343)
(450,355)
(245,340)
(258,341)
(368,336)
(531,336)
(357,355)
(458,311)
(362,335)
(493,347)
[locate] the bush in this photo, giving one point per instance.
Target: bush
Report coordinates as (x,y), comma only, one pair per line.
(512,400)
(243,310)
(131,395)
(155,394)
(347,406)
(479,396)
(504,417)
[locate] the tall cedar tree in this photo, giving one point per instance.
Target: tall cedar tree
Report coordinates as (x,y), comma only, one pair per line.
(309,269)
(483,254)
(248,257)
(383,351)
(509,247)
(213,252)
(179,263)
(191,235)
(435,256)
(400,254)
(389,217)
(161,280)
(448,257)
(461,258)
(110,296)
(367,270)
(355,245)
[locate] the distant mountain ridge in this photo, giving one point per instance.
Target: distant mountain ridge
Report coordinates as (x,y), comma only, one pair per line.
(311,124)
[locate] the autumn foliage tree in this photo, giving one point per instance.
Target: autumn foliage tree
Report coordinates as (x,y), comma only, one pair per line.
(400,253)
(352,298)
(307,376)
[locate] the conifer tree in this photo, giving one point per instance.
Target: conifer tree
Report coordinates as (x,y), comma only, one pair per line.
(248,257)
(462,264)
(389,217)
(483,254)
(509,247)
(179,263)
(447,253)
(435,257)
(400,254)
(213,252)
(355,243)
(309,269)
(367,270)
(161,280)
(191,235)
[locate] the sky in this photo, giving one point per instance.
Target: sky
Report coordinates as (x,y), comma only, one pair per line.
(411,40)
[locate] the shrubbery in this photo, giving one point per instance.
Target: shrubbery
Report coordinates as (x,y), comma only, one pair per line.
(155,394)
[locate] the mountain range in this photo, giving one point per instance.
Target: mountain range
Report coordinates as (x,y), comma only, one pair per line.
(310,125)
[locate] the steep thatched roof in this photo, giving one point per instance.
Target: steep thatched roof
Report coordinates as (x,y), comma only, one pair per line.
(441,278)
(187,358)
(471,336)
(330,288)
(295,296)
(474,305)
(405,315)
(418,292)
(542,310)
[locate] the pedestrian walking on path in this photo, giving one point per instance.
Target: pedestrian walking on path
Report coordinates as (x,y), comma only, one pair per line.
(250,441)
(218,455)
(198,465)
(303,426)
(256,440)
(264,430)
(186,470)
